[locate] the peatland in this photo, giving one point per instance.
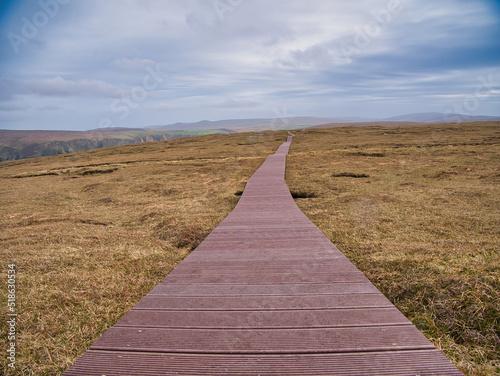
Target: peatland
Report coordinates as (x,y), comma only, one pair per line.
(414,207)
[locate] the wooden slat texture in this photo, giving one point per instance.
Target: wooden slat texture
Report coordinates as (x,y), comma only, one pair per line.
(400,363)
(326,318)
(266,293)
(217,291)
(261,341)
(262,302)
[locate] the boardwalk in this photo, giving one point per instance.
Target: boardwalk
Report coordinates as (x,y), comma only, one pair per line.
(266,293)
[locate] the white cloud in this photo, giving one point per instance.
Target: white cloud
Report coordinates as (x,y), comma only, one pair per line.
(60,87)
(127,64)
(258,54)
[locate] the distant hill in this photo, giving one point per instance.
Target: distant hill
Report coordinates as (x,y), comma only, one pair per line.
(438,117)
(16,145)
(369,124)
(28,144)
(244,125)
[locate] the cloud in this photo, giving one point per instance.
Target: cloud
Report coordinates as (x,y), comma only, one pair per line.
(57,87)
(127,64)
(13,106)
(325,58)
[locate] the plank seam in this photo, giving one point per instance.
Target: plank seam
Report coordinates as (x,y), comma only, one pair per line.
(252,310)
(284,352)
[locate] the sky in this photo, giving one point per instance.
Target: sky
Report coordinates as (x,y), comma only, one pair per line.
(87,64)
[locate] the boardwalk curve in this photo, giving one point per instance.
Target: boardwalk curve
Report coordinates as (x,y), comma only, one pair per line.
(266,293)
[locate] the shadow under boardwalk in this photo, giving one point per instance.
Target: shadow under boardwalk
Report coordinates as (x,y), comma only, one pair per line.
(266,293)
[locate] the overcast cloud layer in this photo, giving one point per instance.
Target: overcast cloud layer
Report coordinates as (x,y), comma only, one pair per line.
(84,64)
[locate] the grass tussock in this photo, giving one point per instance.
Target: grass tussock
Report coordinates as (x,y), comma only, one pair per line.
(424,228)
(92,232)
(181,235)
(302,194)
(350,175)
(365,154)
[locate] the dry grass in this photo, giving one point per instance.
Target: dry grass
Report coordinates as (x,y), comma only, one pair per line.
(417,210)
(91,233)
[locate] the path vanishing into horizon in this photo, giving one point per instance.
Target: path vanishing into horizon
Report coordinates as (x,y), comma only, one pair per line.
(266,293)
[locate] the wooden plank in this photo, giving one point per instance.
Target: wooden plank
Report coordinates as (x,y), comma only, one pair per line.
(266,341)
(263,234)
(172,289)
(400,363)
(193,270)
(283,319)
(248,277)
(280,265)
(299,247)
(267,302)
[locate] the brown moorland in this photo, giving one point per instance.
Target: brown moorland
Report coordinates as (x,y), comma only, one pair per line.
(416,209)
